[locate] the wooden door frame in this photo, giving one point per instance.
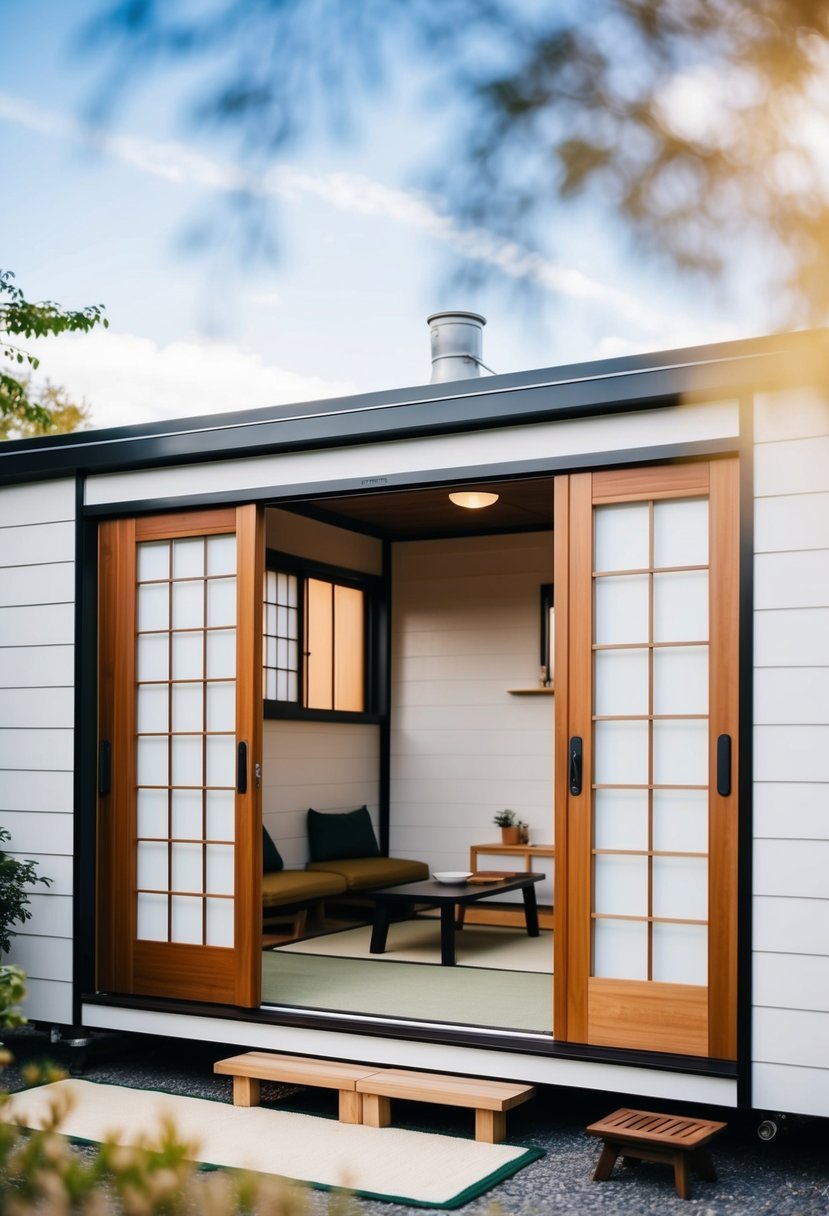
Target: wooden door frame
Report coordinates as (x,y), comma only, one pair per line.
(574,498)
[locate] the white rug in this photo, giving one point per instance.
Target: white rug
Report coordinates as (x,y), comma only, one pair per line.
(382,1163)
(418,941)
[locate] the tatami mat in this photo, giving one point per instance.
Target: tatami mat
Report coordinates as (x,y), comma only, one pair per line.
(418,941)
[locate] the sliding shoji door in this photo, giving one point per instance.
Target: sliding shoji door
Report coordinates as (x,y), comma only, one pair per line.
(179,753)
(646,721)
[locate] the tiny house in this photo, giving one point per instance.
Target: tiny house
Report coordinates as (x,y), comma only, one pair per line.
(219,623)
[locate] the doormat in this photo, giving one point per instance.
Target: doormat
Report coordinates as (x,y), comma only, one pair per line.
(393,1164)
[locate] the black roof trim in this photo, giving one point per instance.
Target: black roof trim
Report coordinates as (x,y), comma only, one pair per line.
(613,385)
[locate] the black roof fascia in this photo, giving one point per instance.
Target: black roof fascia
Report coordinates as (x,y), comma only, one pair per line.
(615,385)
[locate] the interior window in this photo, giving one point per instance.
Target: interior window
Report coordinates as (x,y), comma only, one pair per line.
(281,650)
(315,627)
(334,659)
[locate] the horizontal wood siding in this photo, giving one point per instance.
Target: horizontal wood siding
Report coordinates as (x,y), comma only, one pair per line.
(466,625)
(37,630)
(791,754)
(329,766)
(356,466)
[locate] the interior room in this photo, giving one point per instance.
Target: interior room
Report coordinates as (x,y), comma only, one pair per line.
(408,671)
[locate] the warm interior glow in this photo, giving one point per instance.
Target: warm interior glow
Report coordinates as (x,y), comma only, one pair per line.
(473,499)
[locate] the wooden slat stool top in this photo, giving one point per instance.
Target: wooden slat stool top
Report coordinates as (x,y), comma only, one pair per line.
(641,1135)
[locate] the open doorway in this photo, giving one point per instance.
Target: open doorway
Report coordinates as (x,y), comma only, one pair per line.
(461,730)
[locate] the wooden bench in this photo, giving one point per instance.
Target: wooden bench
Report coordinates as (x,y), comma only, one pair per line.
(250,1069)
(365,1091)
(641,1135)
(489,1099)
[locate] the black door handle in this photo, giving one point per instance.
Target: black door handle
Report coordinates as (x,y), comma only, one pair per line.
(575,762)
(242,768)
(724,765)
(104,768)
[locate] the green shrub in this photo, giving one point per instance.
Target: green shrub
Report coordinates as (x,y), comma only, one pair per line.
(42,1174)
(15,877)
(12,992)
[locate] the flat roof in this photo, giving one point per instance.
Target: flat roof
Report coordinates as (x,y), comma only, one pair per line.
(633,382)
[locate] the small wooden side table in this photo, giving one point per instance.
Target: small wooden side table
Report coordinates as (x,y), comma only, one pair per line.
(641,1135)
(529,853)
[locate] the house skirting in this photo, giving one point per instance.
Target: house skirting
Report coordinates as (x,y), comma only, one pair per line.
(369,1046)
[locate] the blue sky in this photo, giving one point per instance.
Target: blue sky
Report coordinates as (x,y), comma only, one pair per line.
(93,216)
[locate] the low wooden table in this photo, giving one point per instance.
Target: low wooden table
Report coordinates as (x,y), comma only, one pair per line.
(641,1135)
(448,896)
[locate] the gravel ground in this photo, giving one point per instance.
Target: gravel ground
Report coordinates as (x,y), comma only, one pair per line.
(787,1177)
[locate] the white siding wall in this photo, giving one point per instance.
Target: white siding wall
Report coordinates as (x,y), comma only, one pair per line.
(466,622)
(37,631)
(791,765)
(329,766)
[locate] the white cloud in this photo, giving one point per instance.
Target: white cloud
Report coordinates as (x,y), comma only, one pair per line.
(613,346)
(127,379)
(266,299)
(353,193)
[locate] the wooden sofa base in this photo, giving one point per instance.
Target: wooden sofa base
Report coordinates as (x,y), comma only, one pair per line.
(365,1092)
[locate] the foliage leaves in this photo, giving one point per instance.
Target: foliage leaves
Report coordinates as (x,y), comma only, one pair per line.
(12,992)
(15,877)
(24,410)
(34,410)
(41,1172)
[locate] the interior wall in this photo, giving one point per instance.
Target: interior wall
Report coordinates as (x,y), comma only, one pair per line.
(791,754)
(330,766)
(321,542)
(466,630)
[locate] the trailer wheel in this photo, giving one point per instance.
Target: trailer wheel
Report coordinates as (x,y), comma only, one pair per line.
(767,1129)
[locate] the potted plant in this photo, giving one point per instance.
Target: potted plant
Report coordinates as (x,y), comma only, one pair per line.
(508,823)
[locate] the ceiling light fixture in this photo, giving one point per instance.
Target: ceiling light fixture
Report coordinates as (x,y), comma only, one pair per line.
(473,500)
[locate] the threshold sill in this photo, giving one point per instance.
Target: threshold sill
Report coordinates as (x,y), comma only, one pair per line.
(516,1042)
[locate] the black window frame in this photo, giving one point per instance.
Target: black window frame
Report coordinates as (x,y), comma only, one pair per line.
(547,652)
(372,587)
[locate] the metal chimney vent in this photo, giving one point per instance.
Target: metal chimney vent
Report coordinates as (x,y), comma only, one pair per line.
(457,345)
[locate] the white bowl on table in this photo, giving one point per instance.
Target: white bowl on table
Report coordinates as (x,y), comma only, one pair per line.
(450,876)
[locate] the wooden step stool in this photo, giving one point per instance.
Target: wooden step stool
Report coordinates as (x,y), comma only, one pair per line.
(489,1099)
(641,1135)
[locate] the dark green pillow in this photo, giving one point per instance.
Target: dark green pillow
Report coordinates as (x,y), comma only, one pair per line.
(336,837)
(272,861)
